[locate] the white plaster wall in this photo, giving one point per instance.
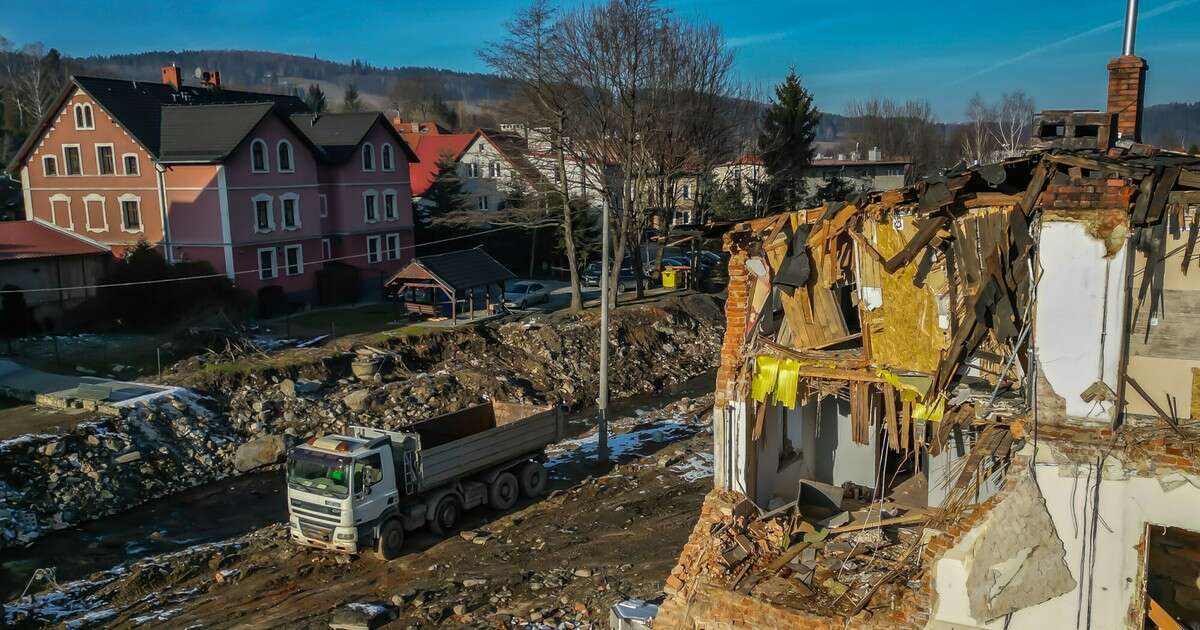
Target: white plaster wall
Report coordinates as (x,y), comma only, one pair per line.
(1074,307)
(1127,505)
(729,439)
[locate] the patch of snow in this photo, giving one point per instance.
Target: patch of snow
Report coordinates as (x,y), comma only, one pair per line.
(160,615)
(698,466)
(621,446)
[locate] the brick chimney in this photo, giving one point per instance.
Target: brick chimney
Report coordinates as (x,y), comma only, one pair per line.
(1127,81)
(172,76)
(1127,94)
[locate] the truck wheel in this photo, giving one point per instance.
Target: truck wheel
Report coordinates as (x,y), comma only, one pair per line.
(533,479)
(445,516)
(391,540)
(504,491)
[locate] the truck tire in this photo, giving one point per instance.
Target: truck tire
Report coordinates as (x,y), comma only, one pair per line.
(533,479)
(445,515)
(504,491)
(391,540)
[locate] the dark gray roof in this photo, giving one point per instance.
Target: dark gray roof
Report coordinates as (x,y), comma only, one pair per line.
(464,269)
(206,133)
(139,105)
(339,134)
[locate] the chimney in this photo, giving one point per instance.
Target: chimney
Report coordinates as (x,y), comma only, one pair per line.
(210,79)
(1127,82)
(172,76)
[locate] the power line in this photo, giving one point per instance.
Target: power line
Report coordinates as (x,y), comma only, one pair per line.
(225,275)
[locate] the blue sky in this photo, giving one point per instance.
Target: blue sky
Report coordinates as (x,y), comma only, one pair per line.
(944,52)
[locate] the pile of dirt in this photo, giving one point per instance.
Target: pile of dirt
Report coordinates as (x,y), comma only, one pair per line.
(53,481)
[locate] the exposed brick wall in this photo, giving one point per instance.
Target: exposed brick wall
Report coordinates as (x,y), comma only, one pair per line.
(737,312)
(1127,93)
(1088,194)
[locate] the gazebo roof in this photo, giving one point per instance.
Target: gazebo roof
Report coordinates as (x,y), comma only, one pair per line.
(458,271)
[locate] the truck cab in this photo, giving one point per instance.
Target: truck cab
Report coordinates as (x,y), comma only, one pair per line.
(339,487)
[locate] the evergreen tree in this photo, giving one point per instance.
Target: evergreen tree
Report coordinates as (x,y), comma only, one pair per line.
(315,99)
(834,189)
(786,140)
(352,102)
(729,202)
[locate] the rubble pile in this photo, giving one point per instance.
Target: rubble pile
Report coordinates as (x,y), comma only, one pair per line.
(54,481)
(549,360)
(788,559)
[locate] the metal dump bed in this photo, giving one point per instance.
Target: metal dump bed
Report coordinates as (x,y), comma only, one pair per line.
(471,440)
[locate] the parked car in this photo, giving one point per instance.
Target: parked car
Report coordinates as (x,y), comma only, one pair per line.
(626,282)
(525,293)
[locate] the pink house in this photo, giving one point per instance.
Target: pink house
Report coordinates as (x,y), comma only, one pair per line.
(266,192)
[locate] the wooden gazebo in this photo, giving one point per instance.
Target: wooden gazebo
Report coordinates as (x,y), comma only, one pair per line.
(454,275)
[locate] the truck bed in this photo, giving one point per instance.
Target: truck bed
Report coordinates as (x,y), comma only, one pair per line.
(465,442)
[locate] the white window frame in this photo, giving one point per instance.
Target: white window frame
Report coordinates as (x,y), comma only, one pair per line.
(378,255)
(86,121)
(323,204)
(472,169)
(137,160)
(483,202)
(495,170)
(391,246)
(291,157)
(61,198)
(266,156)
(375,196)
(367,149)
(391,194)
(265,273)
(386,149)
(67,162)
(113,151)
(141,220)
(52,159)
(270,213)
(326,249)
(283,211)
(287,266)
(87,215)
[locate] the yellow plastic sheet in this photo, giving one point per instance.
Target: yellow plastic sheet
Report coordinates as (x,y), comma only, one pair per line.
(787,382)
(932,412)
(766,372)
(911,388)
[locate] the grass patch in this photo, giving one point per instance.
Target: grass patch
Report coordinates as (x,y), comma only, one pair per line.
(339,321)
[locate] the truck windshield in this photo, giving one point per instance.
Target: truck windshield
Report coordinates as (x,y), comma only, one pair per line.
(318,473)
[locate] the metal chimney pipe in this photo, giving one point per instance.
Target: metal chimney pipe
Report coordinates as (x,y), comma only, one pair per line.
(1130,27)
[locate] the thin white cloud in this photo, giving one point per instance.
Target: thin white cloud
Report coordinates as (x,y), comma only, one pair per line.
(742,41)
(1034,52)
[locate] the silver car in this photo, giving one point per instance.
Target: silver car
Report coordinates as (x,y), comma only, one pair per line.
(525,293)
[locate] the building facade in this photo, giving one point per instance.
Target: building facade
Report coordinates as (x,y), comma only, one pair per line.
(250,183)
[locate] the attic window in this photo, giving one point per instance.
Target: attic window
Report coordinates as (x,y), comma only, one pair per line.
(285,157)
(83,117)
(258,156)
(385,158)
(368,157)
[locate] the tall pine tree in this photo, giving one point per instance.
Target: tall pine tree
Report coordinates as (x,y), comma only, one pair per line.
(314,97)
(786,141)
(352,103)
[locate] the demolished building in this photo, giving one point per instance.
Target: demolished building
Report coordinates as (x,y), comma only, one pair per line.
(968,403)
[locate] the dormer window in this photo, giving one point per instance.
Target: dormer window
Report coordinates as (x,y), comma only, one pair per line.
(285,157)
(368,157)
(385,158)
(258,156)
(83,116)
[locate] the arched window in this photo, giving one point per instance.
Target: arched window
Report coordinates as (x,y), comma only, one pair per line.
(385,158)
(258,156)
(285,157)
(368,157)
(83,116)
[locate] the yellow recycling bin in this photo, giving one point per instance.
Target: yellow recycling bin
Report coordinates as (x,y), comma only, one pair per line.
(669,278)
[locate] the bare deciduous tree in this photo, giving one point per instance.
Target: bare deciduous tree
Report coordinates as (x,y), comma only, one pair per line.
(1014,116)
(978,137)
(900,130)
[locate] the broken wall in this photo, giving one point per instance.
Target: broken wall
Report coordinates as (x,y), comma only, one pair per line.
(1104,550)
(1080,313)
(823,450)
(1162,341)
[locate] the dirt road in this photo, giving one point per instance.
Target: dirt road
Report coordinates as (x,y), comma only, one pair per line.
(603,535)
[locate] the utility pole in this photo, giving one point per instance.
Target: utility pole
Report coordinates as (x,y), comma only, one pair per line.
(602,400)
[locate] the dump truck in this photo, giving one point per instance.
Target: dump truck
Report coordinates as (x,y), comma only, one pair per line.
(364,491)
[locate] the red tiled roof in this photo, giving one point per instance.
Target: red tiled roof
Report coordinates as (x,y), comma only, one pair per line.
(29,239)
(429,149)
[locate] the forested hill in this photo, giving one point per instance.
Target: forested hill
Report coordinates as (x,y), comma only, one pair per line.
(280,72)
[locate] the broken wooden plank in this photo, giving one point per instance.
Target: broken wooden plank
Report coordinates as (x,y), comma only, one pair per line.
(1160,616)
(1141,207)
(991,199)
(1036,184)
(1162,190)
(787,557)
(1124,170)
(1189,178)
(890,417)
(1137,387)
(925,233)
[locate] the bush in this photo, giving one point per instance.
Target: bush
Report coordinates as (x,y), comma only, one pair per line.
(168,297)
